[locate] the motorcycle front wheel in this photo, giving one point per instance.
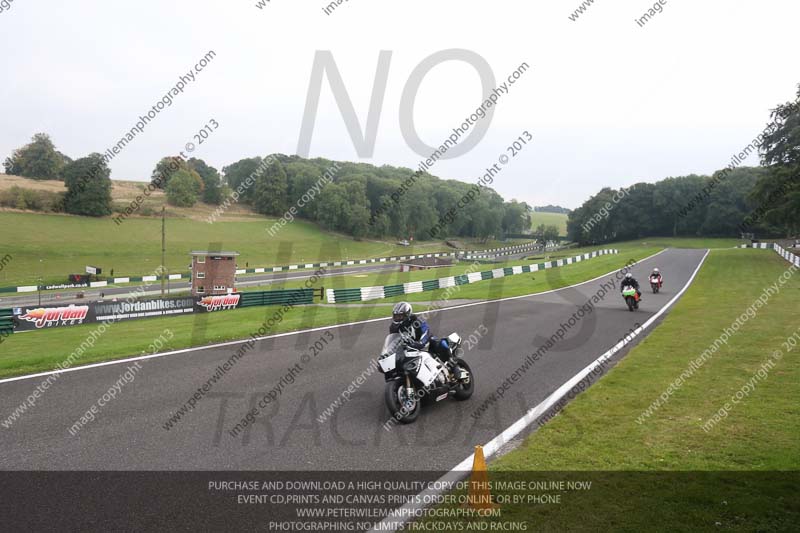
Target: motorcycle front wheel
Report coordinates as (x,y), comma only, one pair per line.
(631,303)
(404,410)
(465,388)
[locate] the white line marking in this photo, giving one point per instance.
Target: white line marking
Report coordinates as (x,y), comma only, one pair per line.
(491,447)
(311,330)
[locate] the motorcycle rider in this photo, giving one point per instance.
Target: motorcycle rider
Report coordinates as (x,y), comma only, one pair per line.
(630,281)
(656,273)
(416,331)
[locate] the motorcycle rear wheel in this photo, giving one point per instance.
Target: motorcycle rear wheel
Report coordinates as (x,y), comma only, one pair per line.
(394,389)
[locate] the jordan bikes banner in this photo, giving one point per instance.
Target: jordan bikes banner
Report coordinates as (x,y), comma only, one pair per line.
(222,302)
(36,318)
(105,311)
(52,316)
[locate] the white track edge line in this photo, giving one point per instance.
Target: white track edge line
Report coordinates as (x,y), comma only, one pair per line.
(288,333)
(491,447)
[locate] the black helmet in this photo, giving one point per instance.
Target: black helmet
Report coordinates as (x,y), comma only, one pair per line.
(401,312)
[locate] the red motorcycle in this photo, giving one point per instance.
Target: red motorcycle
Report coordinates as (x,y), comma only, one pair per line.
(655,283)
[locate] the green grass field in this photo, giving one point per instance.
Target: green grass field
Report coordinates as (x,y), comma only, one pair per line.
(598,432)
(550,219)
(66,244)
(53,246)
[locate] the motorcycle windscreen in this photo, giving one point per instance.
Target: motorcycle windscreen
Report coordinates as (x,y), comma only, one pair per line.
(392,343)
(391,351)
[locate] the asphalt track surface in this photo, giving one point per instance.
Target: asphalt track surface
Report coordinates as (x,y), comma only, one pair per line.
(128,433)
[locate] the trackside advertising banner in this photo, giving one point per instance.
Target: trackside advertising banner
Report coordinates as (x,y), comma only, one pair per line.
(33,318)
(223,302)
(45,317)
(105,311)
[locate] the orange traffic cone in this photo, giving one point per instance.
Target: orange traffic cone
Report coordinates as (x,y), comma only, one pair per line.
(479,495)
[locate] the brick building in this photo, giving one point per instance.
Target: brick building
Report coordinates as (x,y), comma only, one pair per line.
(213,272)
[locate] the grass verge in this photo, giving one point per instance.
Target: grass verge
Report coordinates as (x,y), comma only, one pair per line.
(665,471)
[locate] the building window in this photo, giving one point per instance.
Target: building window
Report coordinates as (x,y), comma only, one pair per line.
(220,288)
(201,275)
(201,259)
(201,289)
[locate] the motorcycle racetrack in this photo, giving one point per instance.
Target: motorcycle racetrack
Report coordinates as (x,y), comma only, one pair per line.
(328,412)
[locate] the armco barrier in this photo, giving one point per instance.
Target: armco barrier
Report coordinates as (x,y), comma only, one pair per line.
(490,254)
(470,254)
(759,245)
(340,263)
(789,256)
(781,251)
(294,297)
(362,294)
(6,322)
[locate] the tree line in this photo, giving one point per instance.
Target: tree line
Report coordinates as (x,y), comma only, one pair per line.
(764,201)
(362,200)
(349,203)
(352,202)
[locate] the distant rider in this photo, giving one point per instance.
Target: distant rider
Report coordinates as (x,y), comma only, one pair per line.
(656,273)
(416,330)
(630,281)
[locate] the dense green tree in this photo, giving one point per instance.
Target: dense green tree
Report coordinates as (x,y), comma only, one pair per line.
(166,168)
(241,176)
(333,210)
(212,184)
(550,234)
(681,201)
(515,218)
(182,189)
(38,159)
(727,205)
(634,217)
(305,176)
(88,182)
(270,191)
(776,196)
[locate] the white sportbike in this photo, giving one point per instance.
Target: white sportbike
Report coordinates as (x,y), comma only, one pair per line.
(412,375)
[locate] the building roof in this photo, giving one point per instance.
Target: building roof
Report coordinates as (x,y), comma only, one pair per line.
(206,252)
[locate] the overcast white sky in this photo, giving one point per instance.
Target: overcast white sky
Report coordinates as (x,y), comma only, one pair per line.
(609,102)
